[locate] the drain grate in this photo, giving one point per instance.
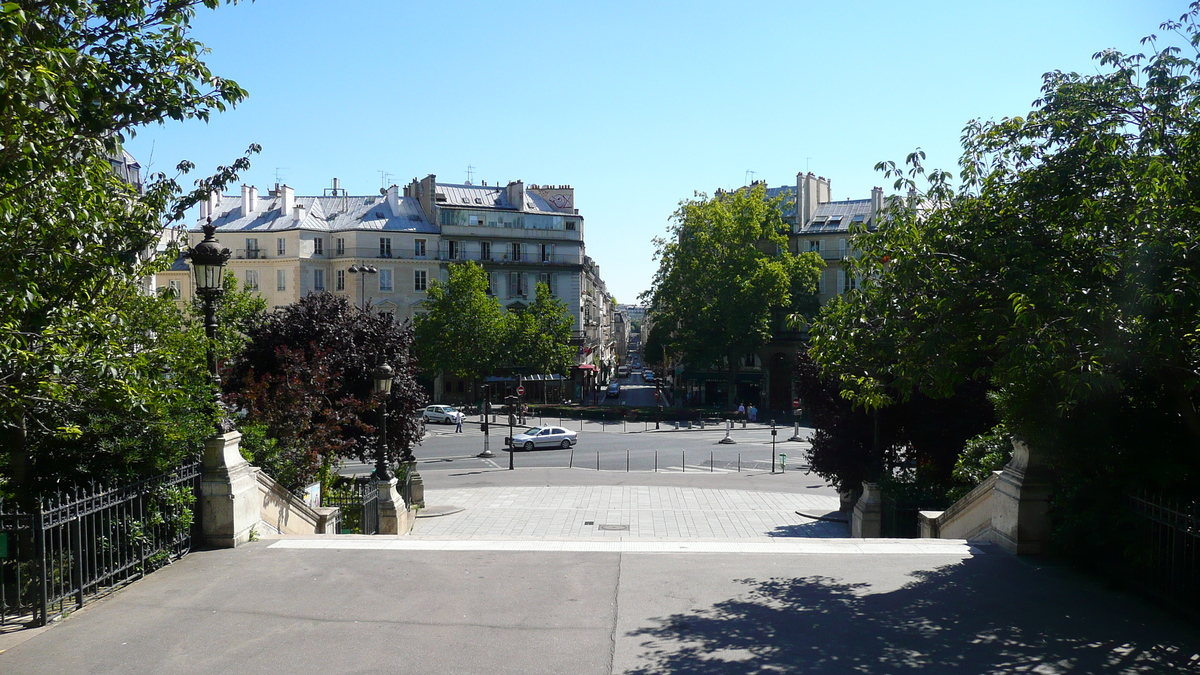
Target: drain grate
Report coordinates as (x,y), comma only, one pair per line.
(614,528)
(589,522)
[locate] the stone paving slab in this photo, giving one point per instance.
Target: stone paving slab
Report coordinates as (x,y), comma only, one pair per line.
(658,512)
(948,547)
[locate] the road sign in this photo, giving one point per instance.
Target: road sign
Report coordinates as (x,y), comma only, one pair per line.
(521,390)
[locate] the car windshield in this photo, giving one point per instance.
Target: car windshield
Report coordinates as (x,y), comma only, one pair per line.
(532,432)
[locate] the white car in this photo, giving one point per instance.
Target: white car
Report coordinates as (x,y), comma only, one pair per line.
(545,437)
(648,375)
(442,413)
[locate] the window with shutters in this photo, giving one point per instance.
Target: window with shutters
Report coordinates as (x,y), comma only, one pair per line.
(516,284)
(485,250)
(454,250)
(514,251)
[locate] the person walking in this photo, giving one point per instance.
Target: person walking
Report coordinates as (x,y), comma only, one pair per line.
(753,413)
(741,411)
(458,427)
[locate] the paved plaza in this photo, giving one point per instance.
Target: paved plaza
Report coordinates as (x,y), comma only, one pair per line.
(608,512)
(537,573)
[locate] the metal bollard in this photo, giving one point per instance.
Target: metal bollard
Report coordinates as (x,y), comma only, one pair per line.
(683,460)
(710,461)
(597,460)
(571,463)
(626,460)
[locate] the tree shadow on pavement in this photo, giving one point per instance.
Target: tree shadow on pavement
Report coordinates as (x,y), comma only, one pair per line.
(819,529)
(987,614)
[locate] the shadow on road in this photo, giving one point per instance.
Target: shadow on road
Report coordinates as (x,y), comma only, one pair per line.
(990,614)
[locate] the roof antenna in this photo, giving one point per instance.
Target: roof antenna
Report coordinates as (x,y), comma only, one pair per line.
(384,178)
(470,173)
(279,174)
(749,176)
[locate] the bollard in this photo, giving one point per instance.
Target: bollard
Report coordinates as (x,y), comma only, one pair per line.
(683,460)
(796,433)
(626,460)
(710,461)
(571,463)
(739,462)
(597,460)
(655,461)
(728,440)
(782,463)
(743,422)
(702,424)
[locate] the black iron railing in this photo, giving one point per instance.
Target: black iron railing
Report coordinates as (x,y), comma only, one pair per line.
(1166,554)
(77,545)
(359,505)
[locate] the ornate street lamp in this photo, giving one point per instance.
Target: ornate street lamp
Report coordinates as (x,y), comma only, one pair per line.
(208,265)
(362,270)
(382,384)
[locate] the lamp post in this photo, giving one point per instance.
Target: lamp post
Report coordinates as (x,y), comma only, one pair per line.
(362,270)
(382,384)
(208,265)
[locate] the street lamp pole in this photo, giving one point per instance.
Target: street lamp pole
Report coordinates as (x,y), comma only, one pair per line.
(382,384)
(362,271)
(208,261)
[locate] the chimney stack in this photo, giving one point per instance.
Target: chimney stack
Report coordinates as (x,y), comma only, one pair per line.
(287,200)
(249,199)
(516,194)
(876,202)
(393,199)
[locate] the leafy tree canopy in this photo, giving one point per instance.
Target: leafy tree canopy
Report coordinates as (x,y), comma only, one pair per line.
(76,78)
(725,278)
(319,354)
(460,330)
(1062,271)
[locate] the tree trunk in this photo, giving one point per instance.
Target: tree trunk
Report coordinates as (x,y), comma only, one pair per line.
(732,362)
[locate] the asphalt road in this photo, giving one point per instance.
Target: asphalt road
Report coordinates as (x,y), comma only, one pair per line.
(615,446)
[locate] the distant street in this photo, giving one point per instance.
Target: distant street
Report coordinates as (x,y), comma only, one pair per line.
(613,446)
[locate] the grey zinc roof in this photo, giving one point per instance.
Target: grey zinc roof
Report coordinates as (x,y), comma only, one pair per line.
(329,214)
(837,216)
(488,197)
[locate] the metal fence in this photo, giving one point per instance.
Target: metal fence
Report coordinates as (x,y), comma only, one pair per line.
(1166,557)
(900,505)
(78,545)
(359,504)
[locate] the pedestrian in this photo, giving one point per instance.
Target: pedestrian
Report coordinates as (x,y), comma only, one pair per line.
(458,428)
(753,413)
(741,411)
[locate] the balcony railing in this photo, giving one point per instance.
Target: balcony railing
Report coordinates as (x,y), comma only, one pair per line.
(496,256)
(250,254)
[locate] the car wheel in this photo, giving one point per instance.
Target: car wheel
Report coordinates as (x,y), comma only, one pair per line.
(565,444)
(528,446)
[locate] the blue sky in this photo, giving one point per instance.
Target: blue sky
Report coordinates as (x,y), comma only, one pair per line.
(636,105)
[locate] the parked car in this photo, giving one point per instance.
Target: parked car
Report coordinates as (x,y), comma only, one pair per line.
(545,437)
(648,374)
(442,413)
(614,390)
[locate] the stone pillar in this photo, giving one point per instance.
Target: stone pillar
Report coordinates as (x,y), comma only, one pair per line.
(1021,503)
(229,506)
(417,487)
(867,520)
(393,512)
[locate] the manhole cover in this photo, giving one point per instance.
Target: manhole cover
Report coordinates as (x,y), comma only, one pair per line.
(614,528)
(589,522)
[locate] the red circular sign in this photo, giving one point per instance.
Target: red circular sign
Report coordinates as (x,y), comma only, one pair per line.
(521,390)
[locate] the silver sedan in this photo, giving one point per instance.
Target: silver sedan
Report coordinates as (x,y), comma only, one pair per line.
(545,437)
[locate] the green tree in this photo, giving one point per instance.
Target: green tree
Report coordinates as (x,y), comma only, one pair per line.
(726,278)
(538,338)
(460,331)
(1061,273)
(76,77)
